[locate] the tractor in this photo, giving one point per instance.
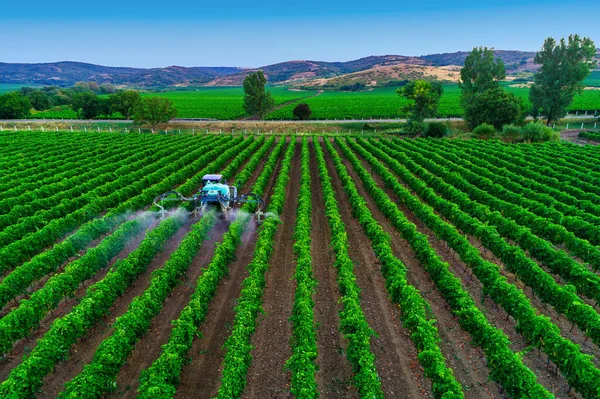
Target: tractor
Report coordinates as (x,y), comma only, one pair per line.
(215,193)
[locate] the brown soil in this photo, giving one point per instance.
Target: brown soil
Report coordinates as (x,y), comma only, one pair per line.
(334,376)
(25,345)
(83,352)
(207,353)
(467,362)
(395,355)
(572,135)
(267,377)
(494,313)
(149,347)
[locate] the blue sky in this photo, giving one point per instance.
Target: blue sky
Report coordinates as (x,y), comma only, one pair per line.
(249,34)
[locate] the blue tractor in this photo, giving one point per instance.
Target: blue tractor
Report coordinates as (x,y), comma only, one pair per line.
(215,193)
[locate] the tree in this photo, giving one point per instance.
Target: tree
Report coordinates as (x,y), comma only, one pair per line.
(257,101)
(564,67)
(482,98)
(154,110)
(14,105)
(424,97)
(495,107)
(40,100)
(302,112)
(87,105)
(481,72)
(125,102)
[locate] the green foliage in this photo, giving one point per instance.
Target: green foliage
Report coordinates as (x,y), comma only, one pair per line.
(502,361)
(88,105)
(436,130)
(480,72)
(594,136)
(424,98)
(40,100)
(511,133)
(354,325)
(257,101)
(154,110)
(484,131)
(302,112)
(576,366)
(495,107)
(161,378)
(412,305)
(304,338)
(564,67)
(14,105)
(537,132)
(125,102)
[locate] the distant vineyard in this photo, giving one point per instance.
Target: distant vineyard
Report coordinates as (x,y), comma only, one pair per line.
(225,103)
(430,268)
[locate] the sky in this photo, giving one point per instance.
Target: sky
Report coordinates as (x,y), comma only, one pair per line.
(251,34)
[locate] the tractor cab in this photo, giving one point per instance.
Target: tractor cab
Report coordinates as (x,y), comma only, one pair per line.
(213,188)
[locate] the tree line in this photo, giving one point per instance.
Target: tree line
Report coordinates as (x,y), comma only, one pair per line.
(488,108)
(89,100)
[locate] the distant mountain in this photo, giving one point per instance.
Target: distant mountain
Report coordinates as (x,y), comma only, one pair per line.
(371,71)
(67,73)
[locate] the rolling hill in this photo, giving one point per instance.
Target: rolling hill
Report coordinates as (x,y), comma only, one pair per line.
(371,71)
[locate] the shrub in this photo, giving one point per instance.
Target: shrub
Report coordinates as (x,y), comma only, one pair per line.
(302,112)
(437,130)
(538,132)
(484,131)
(511,133)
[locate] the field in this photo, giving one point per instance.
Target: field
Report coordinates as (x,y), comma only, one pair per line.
(8,87)
(384,268)
(225,103)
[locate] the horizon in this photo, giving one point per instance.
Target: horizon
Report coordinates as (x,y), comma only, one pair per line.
(191,34)
(243,67)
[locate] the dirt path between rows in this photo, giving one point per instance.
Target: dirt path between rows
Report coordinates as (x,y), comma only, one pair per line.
(334,376)
(395,355)
(83,351)
(24,346)
(494,313)
(201,378)
(267,377)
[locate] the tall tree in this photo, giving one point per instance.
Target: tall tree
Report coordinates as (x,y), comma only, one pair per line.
(87,105)
(154,110)
(564,67)
(424,96)
(482,97)
(125,102)
(14,105)
(424,99)
(257,101)
(481,72)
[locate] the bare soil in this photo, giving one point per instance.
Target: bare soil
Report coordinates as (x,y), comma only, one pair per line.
(25,345)
(536,361)
(271,349)
(395,355)
(201,377)
(334,376)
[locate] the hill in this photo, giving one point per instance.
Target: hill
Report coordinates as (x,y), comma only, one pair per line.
(66,73)
(371,71)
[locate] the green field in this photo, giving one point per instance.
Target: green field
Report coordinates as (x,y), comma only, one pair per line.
(225,103)
(8,87)
(385,103)
(221,102)
(593,79)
